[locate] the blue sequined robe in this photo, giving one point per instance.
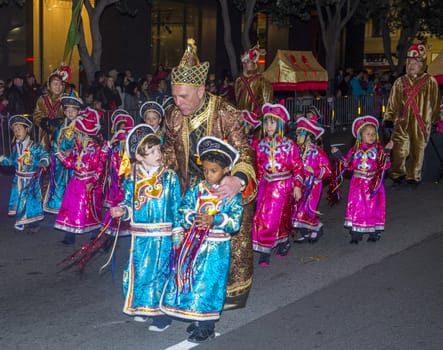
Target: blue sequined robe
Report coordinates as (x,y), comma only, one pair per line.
(25,202)
(151,203)
(59,176)
(202,296)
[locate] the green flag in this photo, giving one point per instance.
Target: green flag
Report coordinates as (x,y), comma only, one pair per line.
(73,37)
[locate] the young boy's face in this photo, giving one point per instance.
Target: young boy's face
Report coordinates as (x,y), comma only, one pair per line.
(71,112)
(368,135)
(213,172)
(20,131)
(152,157)
(152,119)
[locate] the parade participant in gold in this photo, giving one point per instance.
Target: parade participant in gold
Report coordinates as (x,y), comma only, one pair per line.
(412,108)
(48,113)
(196,114)
(252,89)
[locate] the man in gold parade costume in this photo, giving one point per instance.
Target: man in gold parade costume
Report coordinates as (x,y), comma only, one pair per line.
(252,89)
(413,107)
(196,114)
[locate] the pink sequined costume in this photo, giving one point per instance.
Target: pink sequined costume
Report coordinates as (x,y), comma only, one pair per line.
(305,212)
(363,213)
(80,211)
(279,167)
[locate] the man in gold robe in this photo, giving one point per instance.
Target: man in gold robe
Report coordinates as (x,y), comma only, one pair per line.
(412,108)
(196,114)
(252,89)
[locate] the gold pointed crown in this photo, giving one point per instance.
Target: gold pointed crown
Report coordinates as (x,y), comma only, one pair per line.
(190,71)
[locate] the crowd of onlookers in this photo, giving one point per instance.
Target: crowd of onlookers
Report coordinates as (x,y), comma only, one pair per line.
(107,92)
(360,83)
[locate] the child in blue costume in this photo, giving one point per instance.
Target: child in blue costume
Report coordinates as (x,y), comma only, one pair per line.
(151,202)
(28,157)
(197,289)
(64,138)
(152,114)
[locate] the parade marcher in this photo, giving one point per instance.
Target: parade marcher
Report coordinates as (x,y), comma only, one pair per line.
(122,123)
(48,113)
(196,290)
(63,139)
(198,114)
(412,108)
(368,161)
(251,127)
(316,168)
(152,113)
(151,202)
(29,160)
(79,212)
(279,173)
(252,89)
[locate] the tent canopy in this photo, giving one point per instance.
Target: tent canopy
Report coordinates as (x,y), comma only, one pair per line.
(436,68)
(296,70)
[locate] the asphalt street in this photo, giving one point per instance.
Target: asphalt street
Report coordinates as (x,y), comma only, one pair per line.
(328,295)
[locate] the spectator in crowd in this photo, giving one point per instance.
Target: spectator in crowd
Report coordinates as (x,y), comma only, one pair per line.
(132,98)
(144,90)
(17,97)
(357,85)
(3,99)
(98,85)
(111,95)
(227,90)
(160,95)
(32,88)
(344,88)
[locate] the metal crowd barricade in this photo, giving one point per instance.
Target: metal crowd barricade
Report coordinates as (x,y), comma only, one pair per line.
(341,111)
(336,112)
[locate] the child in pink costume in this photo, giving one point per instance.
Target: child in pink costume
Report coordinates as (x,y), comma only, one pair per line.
(368,160)
(251,126)
(316,168)
(279,173)
(80,209)
(122,123)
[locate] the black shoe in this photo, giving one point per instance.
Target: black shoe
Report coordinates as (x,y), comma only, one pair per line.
(264,259)
(192,327)
(373,237)
(302,239)
(412,185)
(65,242)
(201,335)
(396,183)
(355,237)
(283,249)
(315,236)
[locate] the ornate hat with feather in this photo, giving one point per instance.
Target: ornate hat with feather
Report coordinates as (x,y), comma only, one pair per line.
(190,71)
